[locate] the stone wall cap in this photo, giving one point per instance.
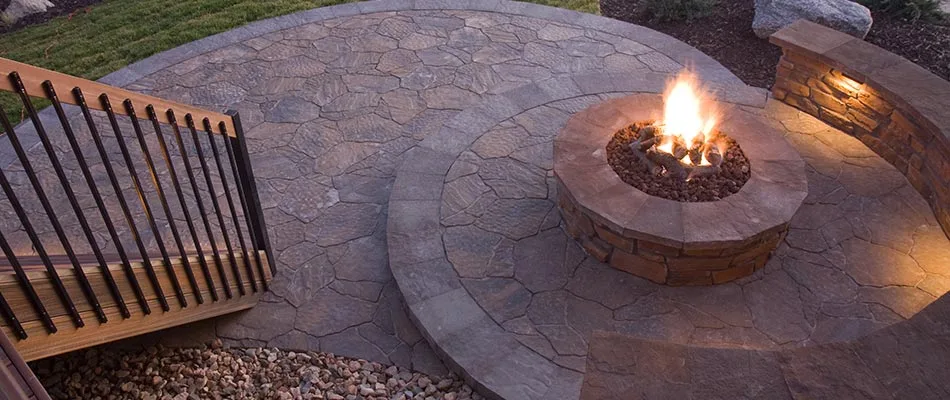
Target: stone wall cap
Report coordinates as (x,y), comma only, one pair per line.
(810,37)
(861,59)
(901,80)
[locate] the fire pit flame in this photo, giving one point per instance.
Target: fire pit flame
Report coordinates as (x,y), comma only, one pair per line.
(684,143)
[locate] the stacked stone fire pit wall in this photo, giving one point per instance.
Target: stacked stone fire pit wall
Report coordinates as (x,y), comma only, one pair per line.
(895,107)
(662,263)
(665,241)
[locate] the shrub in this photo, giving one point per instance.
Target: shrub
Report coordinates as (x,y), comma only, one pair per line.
(928,10)
(678,10)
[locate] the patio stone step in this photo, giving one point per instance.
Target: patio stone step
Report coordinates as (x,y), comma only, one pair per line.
(904,361)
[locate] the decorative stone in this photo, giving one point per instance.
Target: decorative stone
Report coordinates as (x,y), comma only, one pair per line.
(17,9)
(843,15)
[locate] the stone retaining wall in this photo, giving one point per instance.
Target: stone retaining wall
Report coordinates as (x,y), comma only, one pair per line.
(895,107)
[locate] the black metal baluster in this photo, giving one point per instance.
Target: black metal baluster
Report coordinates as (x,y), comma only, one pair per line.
(47,207)
(172,275)
(126,264)
(149,270)
(237,226)
(201,209)
(244,207)
(11,318)
(253,211)
(217,209)
(87,231)
(194,186)
(21,274)
(24,279)
(176,187)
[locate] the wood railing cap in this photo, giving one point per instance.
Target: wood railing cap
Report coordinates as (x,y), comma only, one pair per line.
(33,78)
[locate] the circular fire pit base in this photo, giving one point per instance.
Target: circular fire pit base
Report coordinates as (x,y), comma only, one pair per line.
(661,263)
(671,242)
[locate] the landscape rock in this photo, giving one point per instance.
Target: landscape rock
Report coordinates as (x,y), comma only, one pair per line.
(844,15)
(17,9)
(221,372)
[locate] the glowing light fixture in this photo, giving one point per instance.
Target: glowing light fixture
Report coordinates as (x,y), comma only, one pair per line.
(850,82)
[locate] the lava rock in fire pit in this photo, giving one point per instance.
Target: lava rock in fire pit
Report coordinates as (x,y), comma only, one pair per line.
(734,170)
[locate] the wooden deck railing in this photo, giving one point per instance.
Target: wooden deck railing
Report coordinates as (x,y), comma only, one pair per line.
(126,214)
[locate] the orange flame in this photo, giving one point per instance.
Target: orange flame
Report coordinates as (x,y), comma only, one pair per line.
(688,113)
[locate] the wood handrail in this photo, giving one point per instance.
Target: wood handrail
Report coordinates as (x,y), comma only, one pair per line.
(16,379)
(33,78)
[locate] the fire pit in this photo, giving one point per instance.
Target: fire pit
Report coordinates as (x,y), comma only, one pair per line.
(679,189)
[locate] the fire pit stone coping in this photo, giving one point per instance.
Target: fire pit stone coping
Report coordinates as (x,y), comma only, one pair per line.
(666,241)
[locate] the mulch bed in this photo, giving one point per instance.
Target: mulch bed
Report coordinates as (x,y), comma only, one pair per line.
(60,7)
(727,36)
(735,171)
(927,45)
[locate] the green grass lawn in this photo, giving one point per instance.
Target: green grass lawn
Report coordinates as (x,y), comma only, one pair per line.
(108,36)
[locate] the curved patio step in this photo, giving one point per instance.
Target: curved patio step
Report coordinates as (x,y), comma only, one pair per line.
(903,361)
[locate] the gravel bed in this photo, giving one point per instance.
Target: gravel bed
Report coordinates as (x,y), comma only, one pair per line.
(216,372)
(735,171)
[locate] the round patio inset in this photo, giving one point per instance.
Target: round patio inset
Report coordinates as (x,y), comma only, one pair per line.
(495,283)
(665,241)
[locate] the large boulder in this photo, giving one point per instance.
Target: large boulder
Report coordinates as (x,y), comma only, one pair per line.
(13,10)
(844,15)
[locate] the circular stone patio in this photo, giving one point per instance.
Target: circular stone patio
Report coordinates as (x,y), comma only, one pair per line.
(333,98)
(432,121)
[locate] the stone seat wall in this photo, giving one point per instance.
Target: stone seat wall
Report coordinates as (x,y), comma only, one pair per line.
(898,109)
